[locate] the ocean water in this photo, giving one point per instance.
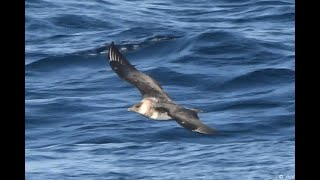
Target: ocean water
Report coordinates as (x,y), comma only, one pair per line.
(235,60)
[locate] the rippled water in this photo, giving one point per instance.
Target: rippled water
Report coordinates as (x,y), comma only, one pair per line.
(232,59)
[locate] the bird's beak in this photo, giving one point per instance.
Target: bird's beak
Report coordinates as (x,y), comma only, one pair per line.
(130,109)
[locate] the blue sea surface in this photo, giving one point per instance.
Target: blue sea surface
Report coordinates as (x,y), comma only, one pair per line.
(235,60)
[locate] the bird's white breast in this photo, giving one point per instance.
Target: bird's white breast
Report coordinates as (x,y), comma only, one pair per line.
(160,116)
(147,110)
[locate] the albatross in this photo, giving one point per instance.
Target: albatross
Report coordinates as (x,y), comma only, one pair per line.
(156,103)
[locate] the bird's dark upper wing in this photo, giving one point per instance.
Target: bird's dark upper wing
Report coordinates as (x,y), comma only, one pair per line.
(185,117)
(147,86)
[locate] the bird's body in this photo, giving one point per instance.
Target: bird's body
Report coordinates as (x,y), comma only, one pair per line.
(155,104)
(146,108)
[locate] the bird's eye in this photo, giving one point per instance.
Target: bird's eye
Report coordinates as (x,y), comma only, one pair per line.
(138,105)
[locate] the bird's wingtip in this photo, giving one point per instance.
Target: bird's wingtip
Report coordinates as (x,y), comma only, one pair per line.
(205,130)
(111,45)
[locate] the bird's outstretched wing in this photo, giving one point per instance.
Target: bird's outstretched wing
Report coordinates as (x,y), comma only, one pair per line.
(147,86)
(187,118)
(190,120)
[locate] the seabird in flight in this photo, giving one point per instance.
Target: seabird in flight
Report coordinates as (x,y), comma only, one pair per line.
(155,104)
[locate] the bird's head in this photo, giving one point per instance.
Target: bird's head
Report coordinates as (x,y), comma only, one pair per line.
(142,107)
(136,107)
